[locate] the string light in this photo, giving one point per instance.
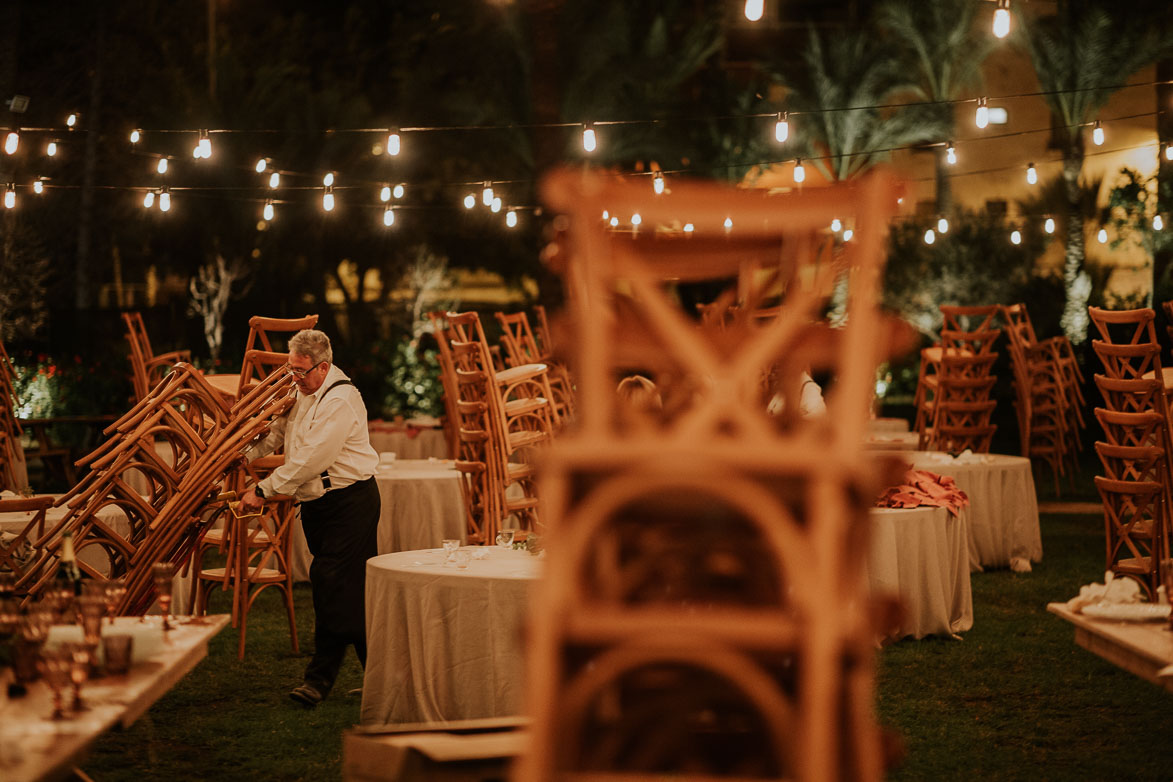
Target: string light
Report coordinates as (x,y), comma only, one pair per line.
(1158,223)
(1097,134)
(398,191)
(1169,151)
(930,237)
(39,187)
(1002,19)
(203,147)
(136,136)
(614,222)
(799,171)
(588,137)
(495,207)
(836,225)
(1015,237)
(950,154)
(71,120)
(487,194)
(328,200)
(268,211)
(728,224)
(1032,176)
(1049,225)
(658,183)
(51,149)
(636,219)
(782,128)
(161,166)
(511,219)
(262,164)
(754,9)
(165,200)
(11,142)
(9,197)
(942,225)
(982,116)
(1102,236)
(149,199)
(848,234)
(394,144)
(385,193)
(689,228)
(606,214)
(328,180)
(388,216)
(274,180)
(470,201)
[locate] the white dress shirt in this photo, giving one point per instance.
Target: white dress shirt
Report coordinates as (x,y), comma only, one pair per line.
(810,400)
(320,435)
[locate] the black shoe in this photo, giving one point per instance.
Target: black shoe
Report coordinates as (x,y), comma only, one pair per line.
(307,695)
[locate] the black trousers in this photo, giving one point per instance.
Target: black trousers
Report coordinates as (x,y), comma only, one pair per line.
(341,529)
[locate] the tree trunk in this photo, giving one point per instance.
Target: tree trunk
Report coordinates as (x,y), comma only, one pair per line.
(1076,283)
(83,286)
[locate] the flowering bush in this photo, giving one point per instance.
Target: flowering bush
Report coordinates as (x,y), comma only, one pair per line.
(48,386)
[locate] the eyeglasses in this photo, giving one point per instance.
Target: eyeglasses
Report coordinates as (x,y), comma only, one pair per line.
(301,373)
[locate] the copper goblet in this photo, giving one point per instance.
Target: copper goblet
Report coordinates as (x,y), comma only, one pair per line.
(115,589)
(55,666)
(164,572)
(81,657)
(92,608)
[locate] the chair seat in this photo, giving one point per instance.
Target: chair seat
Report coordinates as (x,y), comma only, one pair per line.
(215,536)
(516,407)
(255,575)
(1137,565)
(523,372)
(526,437)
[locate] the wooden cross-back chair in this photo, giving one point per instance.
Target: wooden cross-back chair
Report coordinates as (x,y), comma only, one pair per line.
(262,354)
(965,331)
(13,470)
(147,367)
(18,549)
(1136,486)
(687,559)
(522,348)
(961,409)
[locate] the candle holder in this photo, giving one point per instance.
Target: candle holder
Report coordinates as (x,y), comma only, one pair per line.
(163,573)
(55,666)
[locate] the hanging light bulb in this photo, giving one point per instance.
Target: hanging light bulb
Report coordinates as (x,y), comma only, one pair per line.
(930,237)
(470,201)
(495,207)
(165,201)
(658,183)
(11,142)
(848,234)
(942,225)
(487,194)
(950,154)
(1097,134)
(588,137)
(385,193)
(1169,151)
(262,164)
(394,144)
(161,166)
(1158,223)
(388,216)
(1032,175)
(1015,237)
(10,197)
(398,191)
(1102,236)
(1002,19)
(205,145)
(328,200)
(982,116)
(636,219)
(274,180)
(268,211)
(614,222)
(606,214)
(689,228)
(136,136)
(754,9)
(51,149)
(149,199)
(836,225)
(1049,225)
(511,219)
(728,223)
(328,180)
(39,187)
(799,171)
(782,128)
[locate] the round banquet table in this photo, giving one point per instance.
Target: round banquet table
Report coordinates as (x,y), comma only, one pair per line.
(445,643)
(420,506)
(407,441)
(1003,507)
(892,441)
(888,426)
(920,554)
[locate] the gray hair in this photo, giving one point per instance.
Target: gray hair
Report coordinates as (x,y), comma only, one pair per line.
(314,344)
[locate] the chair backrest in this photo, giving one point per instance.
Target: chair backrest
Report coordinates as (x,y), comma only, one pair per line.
(518,339)
(140,352)
(261,329)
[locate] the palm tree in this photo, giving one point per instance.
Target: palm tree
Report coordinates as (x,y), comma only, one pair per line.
(835,93)
(945,51)
(1080,54)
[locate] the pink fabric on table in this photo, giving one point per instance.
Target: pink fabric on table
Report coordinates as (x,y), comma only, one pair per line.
(922,487)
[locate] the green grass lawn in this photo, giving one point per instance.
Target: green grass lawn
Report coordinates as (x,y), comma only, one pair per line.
(1016,699)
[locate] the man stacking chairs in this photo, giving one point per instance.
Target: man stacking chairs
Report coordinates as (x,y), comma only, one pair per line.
(954,404)
(1135,488)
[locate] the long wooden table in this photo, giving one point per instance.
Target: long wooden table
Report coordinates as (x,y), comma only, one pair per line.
(1142,648)
(34,748)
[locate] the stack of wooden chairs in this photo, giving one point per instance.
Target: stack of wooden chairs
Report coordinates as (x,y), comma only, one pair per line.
(1135,453)
(500,419)
(954,404)
(1049,398)
(147,368)
(13,470)
(521,347)
(683,627)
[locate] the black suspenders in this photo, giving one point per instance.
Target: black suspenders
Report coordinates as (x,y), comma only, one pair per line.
(325,476)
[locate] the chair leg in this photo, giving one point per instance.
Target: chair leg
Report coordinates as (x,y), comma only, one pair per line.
(242,629)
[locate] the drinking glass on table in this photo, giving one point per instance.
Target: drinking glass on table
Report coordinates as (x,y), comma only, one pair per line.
(55,666)
(115,589)
(450,547)
(505,538)
(163,572)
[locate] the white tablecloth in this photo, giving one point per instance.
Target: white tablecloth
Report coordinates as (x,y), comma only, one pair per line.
(1003,507)
(921,555)
(888,426)
(408,442)
(421,505)
(892,441)
(445,643)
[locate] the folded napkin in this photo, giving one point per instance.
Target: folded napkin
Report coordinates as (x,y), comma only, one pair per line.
(1113,590)
(922,487)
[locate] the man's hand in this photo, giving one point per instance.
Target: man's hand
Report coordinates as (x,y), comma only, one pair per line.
(250,501)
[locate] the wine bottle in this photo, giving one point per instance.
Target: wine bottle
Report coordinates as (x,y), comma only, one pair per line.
(68,574)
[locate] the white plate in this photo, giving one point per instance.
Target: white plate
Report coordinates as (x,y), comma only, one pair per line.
(1127,612)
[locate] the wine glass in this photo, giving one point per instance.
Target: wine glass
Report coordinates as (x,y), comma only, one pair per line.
(504,538)
(81,656)
(115,589)
(450,547)
(163,573)
(55,666)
